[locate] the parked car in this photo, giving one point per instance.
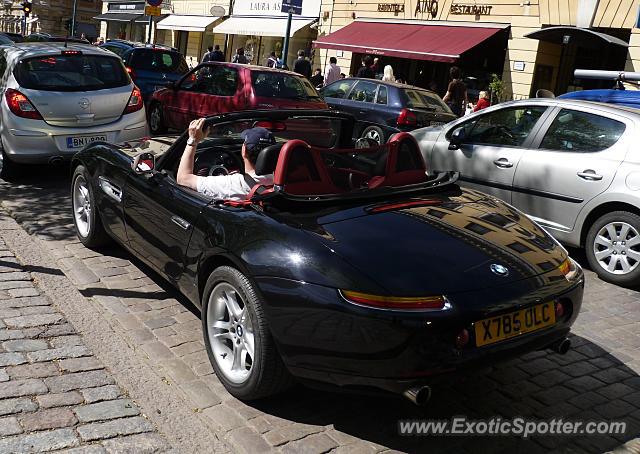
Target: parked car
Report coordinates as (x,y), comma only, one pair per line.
(629,98)
(60,97)
(46,37)
(571,165)
(15,37)
(355,268)
(385,108)
(151,66)
(214,88)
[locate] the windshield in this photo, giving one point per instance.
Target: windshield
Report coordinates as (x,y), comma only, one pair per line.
(74,72)
(271,84)
(316,131)
(420,99)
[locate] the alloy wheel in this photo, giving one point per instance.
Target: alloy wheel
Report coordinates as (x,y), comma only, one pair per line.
(82,205)
(373,135)
(154,119)
(617,248)
(231,334)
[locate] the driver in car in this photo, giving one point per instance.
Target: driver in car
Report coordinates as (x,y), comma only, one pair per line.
(234,186)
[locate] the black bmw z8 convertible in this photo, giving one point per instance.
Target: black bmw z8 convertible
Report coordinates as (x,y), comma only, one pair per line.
(359,267)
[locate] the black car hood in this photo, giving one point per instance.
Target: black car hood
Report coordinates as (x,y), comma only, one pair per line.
(440,245)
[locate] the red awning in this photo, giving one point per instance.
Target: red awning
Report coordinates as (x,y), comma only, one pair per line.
(443,43)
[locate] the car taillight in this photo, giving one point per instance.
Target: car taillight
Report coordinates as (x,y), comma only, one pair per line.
(20,105)
(407,118)
(135,101)
(132,74)
(395,302)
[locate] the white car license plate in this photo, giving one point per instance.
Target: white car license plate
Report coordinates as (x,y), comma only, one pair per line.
(80,142)
(436,123)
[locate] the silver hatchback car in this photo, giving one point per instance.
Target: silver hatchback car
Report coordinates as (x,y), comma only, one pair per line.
(60,97)
(573,166)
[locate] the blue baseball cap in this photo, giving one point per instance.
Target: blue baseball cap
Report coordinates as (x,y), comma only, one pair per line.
(254,137)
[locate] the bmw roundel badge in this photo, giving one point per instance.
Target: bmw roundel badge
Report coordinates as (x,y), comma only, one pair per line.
(500,270)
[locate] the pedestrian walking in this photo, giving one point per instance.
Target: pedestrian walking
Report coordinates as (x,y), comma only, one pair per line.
(217,54)
(365,70)
(456,97)
(332,72)
(207,55)
(272,61)
(483,101)
(388,75)
(239,57)
(302,66)
(375,67)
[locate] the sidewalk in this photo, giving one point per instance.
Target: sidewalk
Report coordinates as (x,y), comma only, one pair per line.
(54,392)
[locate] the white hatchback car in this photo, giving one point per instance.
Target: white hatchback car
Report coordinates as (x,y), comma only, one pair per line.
(59,97)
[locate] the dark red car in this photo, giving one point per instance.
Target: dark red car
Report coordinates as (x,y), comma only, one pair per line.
(214,88)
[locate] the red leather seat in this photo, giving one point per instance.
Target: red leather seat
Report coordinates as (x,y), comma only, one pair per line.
(301,171)
(405,164)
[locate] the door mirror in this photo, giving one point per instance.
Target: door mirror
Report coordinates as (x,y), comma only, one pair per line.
(457,138)
(144,163)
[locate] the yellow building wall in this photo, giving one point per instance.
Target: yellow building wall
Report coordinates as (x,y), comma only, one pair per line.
(524,16)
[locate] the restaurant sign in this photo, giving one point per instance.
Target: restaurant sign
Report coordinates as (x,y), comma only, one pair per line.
(426,6)
(395,8)
(471,10)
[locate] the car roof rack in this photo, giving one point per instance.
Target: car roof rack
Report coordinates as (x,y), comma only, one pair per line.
(619,77)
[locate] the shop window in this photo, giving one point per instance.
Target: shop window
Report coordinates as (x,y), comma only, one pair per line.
(382,95)
(337,89)
(364,91)
(582,132)
(505,127)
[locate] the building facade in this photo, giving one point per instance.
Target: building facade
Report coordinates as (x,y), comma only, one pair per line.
(52,16)
(529,44)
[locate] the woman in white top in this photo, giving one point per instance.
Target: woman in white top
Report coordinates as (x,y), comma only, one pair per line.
(388,74)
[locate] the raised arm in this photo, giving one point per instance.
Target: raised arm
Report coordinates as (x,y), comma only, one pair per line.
(185,176)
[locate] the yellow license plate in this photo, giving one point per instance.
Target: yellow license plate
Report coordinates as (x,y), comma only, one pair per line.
(506,326)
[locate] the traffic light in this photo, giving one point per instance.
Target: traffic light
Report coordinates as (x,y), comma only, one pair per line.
(26,8)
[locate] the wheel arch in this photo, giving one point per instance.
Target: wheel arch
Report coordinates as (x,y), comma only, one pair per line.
(211,263)
(601,210)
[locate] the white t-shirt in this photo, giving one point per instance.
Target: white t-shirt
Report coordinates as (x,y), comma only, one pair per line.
(230,187)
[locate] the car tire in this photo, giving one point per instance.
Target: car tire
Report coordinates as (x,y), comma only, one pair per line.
(231,312)
(617,263)
(86,219)
(8,168)
(375,133)
(156,119)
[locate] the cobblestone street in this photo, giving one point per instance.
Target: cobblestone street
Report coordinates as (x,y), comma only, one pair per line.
(56,394)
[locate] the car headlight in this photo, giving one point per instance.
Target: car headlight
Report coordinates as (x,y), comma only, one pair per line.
(570,269)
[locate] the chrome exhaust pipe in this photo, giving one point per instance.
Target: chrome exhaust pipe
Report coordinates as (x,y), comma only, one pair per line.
(562,346)
(418,395)
(55,160)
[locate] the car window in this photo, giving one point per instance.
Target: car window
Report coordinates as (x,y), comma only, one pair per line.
(272,84)
(212,80)
(338,89)
(382,95)
(115,49)
(364,91)
(582,132)
(71,72)
(159,60)
(505,127)
(420,99)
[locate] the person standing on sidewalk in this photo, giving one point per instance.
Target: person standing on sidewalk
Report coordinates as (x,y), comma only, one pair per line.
(272,61)
(365,70)
(456,97)
(332,72)
(207,55)
(239,57)
(302,66)
(217,54)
